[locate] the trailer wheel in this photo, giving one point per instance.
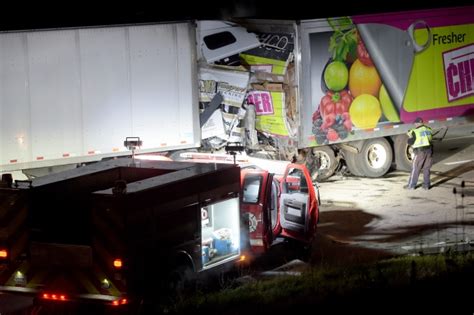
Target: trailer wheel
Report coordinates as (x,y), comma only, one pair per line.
(353,163)
(324,163)
(403,153)
(375,157)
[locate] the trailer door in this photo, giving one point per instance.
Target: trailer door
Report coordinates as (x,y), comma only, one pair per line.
(254,206)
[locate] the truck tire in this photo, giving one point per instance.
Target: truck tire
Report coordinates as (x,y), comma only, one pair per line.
(375,158)
(403,153)
(325,163)
(353,163)
(181,281)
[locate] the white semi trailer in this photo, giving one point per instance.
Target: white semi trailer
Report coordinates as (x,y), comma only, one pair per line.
(73,95)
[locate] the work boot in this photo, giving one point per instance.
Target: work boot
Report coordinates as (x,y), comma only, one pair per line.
(408,187)
(426,187)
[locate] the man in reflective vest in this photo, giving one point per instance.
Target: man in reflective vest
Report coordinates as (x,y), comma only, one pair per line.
(420,138)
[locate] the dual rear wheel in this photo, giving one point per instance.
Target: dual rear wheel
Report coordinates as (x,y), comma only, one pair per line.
(374,159)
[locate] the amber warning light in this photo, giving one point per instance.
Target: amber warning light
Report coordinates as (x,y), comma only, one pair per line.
(118,263)
(3,253)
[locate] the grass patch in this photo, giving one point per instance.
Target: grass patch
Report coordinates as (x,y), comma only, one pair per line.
(434,278)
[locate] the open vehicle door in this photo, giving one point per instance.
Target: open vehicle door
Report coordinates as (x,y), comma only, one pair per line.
(298,206)
(254,206)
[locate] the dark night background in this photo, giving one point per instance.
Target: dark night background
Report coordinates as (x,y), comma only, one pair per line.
(43,14)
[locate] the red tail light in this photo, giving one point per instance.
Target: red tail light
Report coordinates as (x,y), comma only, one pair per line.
(118,302)
(54,296)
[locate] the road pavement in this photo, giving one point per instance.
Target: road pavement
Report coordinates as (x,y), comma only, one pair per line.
(376,215)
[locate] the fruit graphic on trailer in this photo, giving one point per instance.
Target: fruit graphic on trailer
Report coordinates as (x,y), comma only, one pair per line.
(336,76)
(365,111)
(389,110)
(364,79)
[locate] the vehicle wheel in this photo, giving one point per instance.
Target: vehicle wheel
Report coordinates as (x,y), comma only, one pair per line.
(375,157)
(298,249)
(181,281)
(403,153)
(324,163)
(353,163)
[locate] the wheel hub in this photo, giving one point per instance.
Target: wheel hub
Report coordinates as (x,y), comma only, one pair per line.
(376,156)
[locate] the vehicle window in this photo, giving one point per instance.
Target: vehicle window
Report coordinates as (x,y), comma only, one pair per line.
(251,189)
(218,40)
(296,181)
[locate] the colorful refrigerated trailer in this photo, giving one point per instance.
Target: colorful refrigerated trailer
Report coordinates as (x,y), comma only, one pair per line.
(354,85)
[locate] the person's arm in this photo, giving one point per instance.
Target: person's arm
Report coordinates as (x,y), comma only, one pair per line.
(411,137)
(434,133)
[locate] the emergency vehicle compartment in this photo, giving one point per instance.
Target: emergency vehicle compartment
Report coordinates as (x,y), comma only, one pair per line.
(220,230)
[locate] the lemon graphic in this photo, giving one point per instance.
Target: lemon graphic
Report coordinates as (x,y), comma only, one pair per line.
(365,111)
(388,109)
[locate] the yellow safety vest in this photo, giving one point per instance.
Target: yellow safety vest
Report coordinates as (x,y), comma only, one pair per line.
(423,136)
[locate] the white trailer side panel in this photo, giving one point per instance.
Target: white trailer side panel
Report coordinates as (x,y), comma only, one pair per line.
(105,67)
(54,94)
(15,140)
(70,96)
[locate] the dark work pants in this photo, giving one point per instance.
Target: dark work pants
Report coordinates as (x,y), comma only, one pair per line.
(422,161)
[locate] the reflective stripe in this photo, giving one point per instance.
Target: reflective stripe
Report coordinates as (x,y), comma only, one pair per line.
(256,242)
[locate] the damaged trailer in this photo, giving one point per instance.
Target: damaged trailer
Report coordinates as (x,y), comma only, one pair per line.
(318,91)
(348,89)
